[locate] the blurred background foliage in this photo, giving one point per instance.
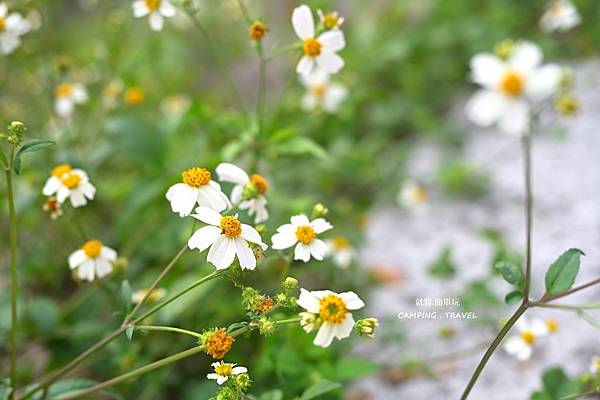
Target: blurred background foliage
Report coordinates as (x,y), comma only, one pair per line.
(158,105)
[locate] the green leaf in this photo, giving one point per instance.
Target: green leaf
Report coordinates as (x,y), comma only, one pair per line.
(443,267)
(301,146)
(17,165)
(272,395)
(129,332)
(318,388)
(3,158)
(5,389)
(561,274)
(513,297)
(126,293)
(556,385)
(511,273)
(35,145)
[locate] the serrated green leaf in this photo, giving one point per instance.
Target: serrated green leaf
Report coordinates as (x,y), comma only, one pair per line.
(511,273)
(562,273)
(318,388)
(513,297)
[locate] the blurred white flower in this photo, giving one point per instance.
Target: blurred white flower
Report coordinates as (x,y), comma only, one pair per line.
(340,251)
(227,237)
(528,332)
(67,182)
(413,196)
(333,310)
(12,27)
(156,10)
(304,233)
(510,84)
(111,93)
(320,51)
(248,192)
(67,96)
(561,15)
(155,295)
(53,207)
(321,93)
(595,365)
(224,370)
(308,321)
(92,260)
(175,105)
(197,187)
(35,19)
(330,20)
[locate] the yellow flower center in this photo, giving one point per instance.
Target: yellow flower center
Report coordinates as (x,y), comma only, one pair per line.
(312,47)
(319,89)
(305,234)
(258,31)
(60,170)
(92,248)
(134,96)
(597,364)
(259,183)
(566,104)
(152,5)
(552,325)
(224,369)
(64,90)
(512,83)
(504,49)
(331,20)
(196,177)
(340,242)
(419,194)
(528,337)
(71,180)
(231,226)
(333,309)
(218,344)
(2,24)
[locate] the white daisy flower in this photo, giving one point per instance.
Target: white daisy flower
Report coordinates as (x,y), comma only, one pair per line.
(155,295)
(156,10)
(528,332)
(227,237)
(92,260)
(12,27)
(224,370)
(595,365)
(197,187)
(320,51)
(304,233)
(321,93)
(67,96)
(561,15)
(248,192)
(509,85)
(413,196)
(330,20)
(340,251)
(67,182)
(332,309)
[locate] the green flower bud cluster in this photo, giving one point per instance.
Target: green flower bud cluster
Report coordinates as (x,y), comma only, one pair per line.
(366,327)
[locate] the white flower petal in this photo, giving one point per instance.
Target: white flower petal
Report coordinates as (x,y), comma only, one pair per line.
(525,56)
(167,9)
(208,216)
(64,106)
(330,62)
(485,107)
(320,225)
(515,119)
(244,253)
(86,270)
(77,198)
(239,370)
(544,82)
(514,345)
(303,23)
(109,253)
(344,329)
(250,234)
(103,267)
(222,379)
(305,65)
(300,220)
(325,335)
(51,186)
(77,258)
(62,194)
(487,70)
(332,41)
(139,8)
(283,240)
(204,237)
(231,173)
(318,249)
(301,252)
(222,252)
(183,198)
(353,302)
(156,21)
(308,301)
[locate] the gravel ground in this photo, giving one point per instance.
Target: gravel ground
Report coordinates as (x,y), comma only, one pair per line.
(566,174)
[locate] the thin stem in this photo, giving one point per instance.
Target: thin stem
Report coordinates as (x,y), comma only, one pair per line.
(287,321)
(568,307)
(580,395)
(168,329)
(13,272)
(526,144)
(488,354)
(164,272)
(262,90)
(571,291)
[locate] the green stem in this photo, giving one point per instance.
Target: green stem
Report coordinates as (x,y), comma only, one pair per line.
(13,271)
(583,394)
(571,291)
(566,306)
(288,321)
(168,329)
(528,214)
(488,354)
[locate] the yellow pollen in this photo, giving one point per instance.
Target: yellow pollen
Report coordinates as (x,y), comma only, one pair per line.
(259,183)
(134,96)
(60,170)
(152,5)
(319,89)
(528,337)
(231,226)
(64,90)
(196,177)
(258,31)
(305,234)
(224,369)
(71,180)
(552,325)
(218,344)
(92,248)
(333,309)
(2,24)
(512,83)
(312,47)
(340,242)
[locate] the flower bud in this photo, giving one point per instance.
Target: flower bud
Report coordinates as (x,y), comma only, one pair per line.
(366,327)
(17,127)
(308,321)
(251,299)
(216,342)
(243,382)
(261,228)
(505,48)
(567,104)
(266,326)
(319,210)
(290,283)
(121,263)
(257,31)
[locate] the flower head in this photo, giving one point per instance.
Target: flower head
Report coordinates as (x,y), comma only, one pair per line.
(321,93)
(366,327)
(216,342)
(223,371)
(302,233)
(12,27)
(341,251)
(155,295)
(509,86)
(318,51)
(67,182)
(196,187)
(567,104)
(330,20)
(53,207)
(561,15)
(92,260)
(134,95)
(257,31)
(528,333)
(333,313)
(227,238)
(248,192)
(67,96)
(413,196)
(595,365)
(156,10)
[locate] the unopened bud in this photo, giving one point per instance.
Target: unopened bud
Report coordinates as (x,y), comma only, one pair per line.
(319,210)
(290,283)
(366,327)
(257,31)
